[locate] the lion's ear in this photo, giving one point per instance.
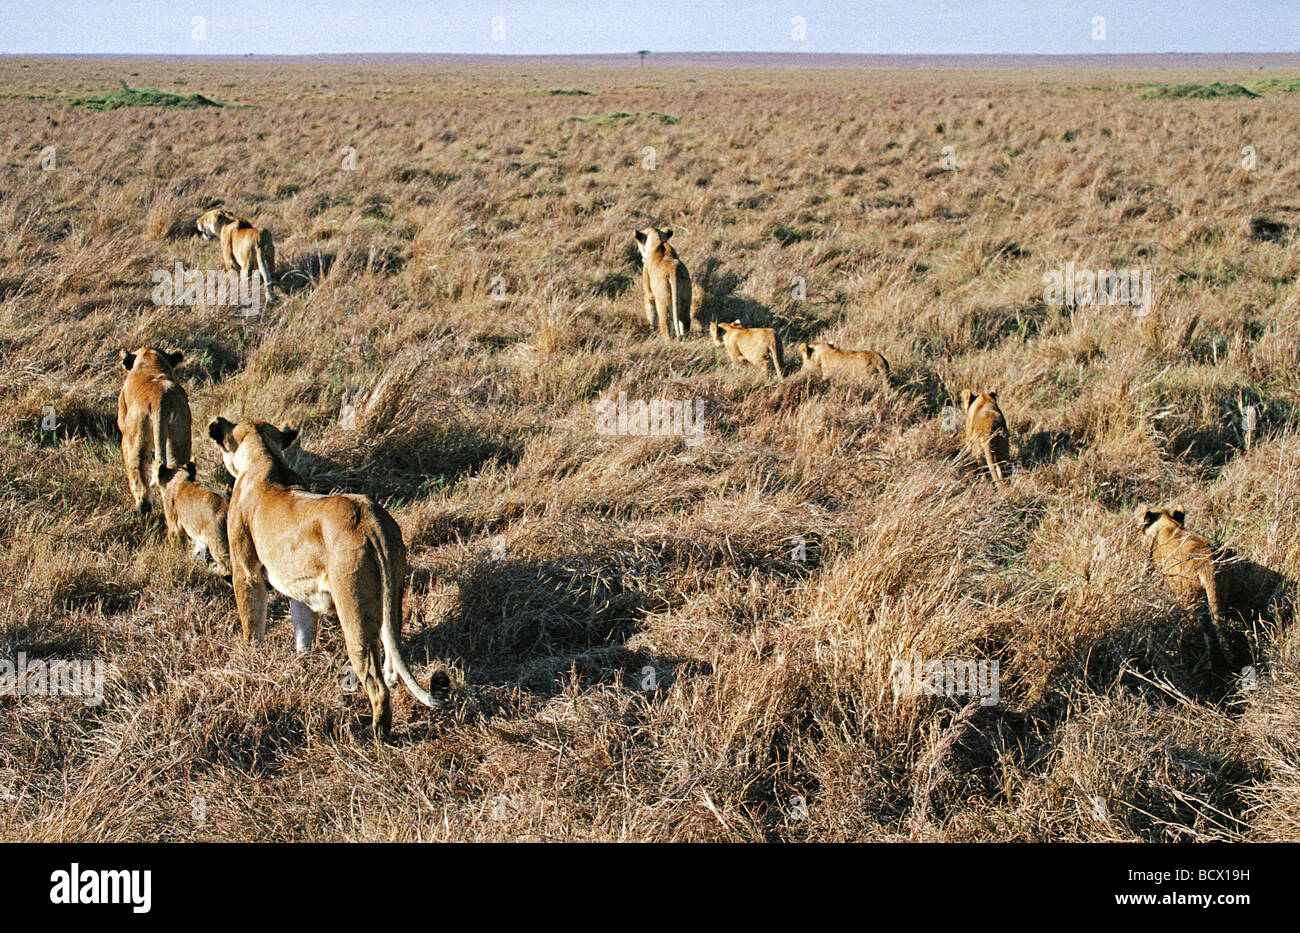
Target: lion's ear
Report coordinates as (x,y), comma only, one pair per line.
(174,358)
(666,235)
(1178,515)
(164,473)
(1148,516)
(127,358)
(640,236)
(736,322)
(219,430)
(994,396)
(966,398)
(191,470)
(287,437)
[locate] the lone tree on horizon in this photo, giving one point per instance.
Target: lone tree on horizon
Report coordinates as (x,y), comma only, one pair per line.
(643,53)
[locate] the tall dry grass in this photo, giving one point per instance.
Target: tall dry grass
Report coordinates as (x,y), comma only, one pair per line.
(653,640)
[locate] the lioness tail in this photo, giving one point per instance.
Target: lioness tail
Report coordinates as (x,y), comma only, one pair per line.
(392,612)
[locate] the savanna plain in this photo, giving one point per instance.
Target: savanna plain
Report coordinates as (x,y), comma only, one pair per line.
(650,639)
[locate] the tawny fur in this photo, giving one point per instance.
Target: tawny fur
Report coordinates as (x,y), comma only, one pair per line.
(249,248)
(665,284)
(834,363)
(1186,563)
(196,512)
(211,222)
(153,414)
(987,436)
(338,553)
(752,345)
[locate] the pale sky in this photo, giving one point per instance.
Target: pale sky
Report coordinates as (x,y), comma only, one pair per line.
(516,27)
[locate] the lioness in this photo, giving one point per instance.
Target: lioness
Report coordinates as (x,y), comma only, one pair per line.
(197,512)
(340,552)
(853,364)
(242,246)
(665,283)
(1185,561)
(153,414)
(749,344)
(987,437)
(211,223)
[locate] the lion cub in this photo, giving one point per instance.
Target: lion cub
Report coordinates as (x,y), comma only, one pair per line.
(153,414)
(197,512)
(211,223)
(852,364)
(665,283)
(1185,561)
(987,437)
(749,344)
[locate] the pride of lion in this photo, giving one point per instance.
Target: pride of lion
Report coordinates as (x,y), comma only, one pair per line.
(341,553)
(665,283)
(344,554)
(153,414)
(244,247)
(195,512)
(834,363)
(1186,562)
(987,438)
(749,345)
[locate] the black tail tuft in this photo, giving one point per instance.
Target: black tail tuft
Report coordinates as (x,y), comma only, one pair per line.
(440,684)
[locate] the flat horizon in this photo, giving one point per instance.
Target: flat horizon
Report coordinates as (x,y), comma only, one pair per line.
(1120,60)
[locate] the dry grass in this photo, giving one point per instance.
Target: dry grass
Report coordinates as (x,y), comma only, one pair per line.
(636,652)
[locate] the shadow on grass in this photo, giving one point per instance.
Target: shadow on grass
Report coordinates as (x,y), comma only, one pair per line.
(403,466)
(75,416)
(721,303)
(538,625)
(1044,447)
(1169,656)
(926,387)
(306,271)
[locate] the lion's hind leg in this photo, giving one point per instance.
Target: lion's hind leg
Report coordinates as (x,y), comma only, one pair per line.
(250,599)
(137,454)
(648,299)
(361,634)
